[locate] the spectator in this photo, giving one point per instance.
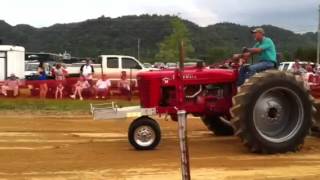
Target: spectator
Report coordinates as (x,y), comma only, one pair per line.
(79,87)
(317,69)
(102,87)
(307,77)
(59,73)
(42,80)
(297,69)
(59,90)
(309,68)
(87,71)
(124,85)
(11,84)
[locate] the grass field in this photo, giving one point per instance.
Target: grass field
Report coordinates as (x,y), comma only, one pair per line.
(52,105)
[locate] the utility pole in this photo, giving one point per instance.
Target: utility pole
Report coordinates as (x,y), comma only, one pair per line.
(182,119)
(139,41)
(318,43)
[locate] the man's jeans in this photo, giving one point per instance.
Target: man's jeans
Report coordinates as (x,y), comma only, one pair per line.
(248,71)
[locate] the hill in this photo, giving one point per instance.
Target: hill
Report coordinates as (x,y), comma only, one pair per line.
(120,36)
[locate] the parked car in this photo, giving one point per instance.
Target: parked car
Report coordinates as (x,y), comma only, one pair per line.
(31,68)
(190,64)
(147,65)
(171,65)
(159,65)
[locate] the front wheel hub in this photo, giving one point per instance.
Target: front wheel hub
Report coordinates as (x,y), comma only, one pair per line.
(144,136)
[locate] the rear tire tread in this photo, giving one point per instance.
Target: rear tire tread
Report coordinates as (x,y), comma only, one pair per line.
(238,116)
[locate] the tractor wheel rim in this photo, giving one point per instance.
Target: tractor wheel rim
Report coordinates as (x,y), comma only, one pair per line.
(278,114)
(144,136)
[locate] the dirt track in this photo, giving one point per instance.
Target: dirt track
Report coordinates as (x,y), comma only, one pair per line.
(80,148)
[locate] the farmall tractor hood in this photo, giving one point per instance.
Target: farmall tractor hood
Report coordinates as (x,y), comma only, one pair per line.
(202,76)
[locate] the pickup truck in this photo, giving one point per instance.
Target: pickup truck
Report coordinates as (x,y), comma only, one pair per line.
(288,66)
(112,66)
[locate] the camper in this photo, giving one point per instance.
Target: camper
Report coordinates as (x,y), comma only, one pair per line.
(12,61)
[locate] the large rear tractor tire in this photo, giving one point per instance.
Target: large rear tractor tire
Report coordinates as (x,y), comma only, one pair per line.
(216,125)
(272,113)
(144,133)
(316,118)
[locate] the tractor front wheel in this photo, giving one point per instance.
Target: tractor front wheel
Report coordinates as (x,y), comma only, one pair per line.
(144,133)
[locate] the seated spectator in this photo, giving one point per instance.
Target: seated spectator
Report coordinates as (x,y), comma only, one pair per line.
(11,84)
(102,87)
(79,87)
(317,69)
(307,77)
(124,85)
(309,68)
(296,68)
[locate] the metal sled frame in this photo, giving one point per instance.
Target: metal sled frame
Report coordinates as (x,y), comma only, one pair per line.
(108,111)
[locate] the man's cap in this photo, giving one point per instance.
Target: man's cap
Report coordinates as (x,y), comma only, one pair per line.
(259,29)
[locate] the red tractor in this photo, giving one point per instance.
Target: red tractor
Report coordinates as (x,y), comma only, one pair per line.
(271,113)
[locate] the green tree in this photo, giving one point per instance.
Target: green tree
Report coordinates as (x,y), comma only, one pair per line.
(306,54)
(169,47)
(219,54)
(286,56)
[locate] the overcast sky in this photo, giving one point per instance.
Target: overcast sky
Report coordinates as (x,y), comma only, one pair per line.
(296,15)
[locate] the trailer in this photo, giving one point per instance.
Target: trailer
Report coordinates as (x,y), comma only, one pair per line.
(12,61)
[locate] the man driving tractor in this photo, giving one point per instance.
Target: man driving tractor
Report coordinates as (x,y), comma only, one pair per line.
(267,56)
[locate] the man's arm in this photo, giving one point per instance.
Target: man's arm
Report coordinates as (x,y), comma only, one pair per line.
(92,69)
(255,50)
(258,48)
(98,83)
(109,83)
(81,69)
(252,51)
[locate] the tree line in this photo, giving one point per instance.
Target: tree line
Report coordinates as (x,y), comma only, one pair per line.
(158,36)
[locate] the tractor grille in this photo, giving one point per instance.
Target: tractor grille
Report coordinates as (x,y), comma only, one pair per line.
(145,91)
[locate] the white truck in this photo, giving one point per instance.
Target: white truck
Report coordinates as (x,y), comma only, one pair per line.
(288,66)
(112,66)
(12,61)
